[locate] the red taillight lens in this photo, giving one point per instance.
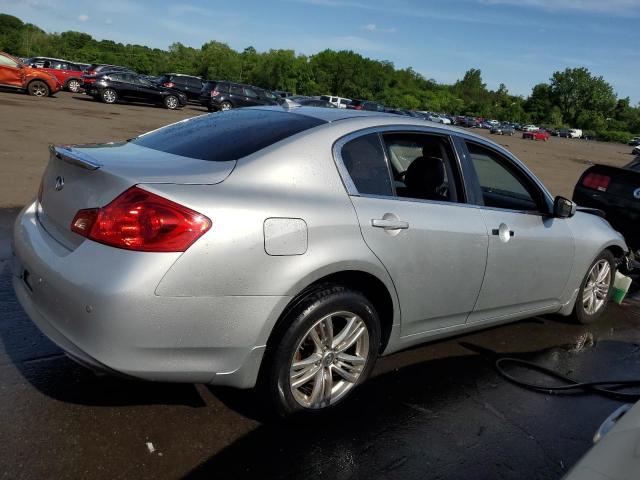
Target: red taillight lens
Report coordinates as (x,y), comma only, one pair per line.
(596,181)
(215,93)
(142,221)
(168,84)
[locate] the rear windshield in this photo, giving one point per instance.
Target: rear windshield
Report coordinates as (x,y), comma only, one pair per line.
(225,136)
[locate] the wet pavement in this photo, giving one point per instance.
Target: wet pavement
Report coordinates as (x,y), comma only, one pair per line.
(440,411)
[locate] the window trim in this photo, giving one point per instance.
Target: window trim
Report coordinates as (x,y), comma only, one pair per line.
(544,195)
(464,194)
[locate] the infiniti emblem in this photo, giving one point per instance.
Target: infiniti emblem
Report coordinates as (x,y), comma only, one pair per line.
(59,183)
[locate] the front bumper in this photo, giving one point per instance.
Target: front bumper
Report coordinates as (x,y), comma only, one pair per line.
(99,304)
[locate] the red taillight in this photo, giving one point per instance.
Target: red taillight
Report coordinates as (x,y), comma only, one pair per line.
(596,181)
(358,107)
(215,93)
(142,221)
(168,84)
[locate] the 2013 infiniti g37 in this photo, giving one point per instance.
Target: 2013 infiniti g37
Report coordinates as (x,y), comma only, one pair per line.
(292,247)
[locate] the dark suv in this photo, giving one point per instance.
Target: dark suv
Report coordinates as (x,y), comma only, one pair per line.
(217,95)
(187,84)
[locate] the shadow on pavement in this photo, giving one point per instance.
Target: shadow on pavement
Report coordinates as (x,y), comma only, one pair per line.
(448,418)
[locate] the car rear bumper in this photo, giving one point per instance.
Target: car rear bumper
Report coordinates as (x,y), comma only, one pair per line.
(99,304)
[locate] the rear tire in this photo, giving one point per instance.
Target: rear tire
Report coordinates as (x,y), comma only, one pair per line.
(171,102)
(224,106)
(109,95)
(73,85)
(328,371)
(38,88)
(596,289)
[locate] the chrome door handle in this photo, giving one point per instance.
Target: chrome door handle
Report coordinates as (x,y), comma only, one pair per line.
(389,224)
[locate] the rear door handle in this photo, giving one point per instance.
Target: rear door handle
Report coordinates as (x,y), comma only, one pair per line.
(389,224)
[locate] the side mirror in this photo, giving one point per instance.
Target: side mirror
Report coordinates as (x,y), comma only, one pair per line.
(563,208)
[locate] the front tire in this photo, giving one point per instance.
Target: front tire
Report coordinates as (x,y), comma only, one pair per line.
(328,347)
(596,289)
(224,106)
(109,95)
(38,88)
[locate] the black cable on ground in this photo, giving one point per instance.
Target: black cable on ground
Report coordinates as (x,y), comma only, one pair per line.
(612,390)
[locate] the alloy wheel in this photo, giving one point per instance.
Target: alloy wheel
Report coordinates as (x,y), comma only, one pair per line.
(39,91)
(109,96)
(596,289)
(74,86)
(172,102)
(329,360)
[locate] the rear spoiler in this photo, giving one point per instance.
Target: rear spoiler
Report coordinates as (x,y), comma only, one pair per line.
(74,157)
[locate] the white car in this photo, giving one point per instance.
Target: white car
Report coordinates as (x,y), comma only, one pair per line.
(530,128)
(432,117)
(339,102)
(615,454)
(575,133)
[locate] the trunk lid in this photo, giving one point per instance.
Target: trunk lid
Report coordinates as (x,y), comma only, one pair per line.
(90,176)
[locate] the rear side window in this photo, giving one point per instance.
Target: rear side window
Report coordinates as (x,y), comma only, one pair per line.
(225,136)
(364,159)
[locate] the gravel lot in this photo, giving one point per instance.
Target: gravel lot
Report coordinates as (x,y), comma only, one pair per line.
(435,412)
(28,125)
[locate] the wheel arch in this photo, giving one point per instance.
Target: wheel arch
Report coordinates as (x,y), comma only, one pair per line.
(66,82)
(371,286)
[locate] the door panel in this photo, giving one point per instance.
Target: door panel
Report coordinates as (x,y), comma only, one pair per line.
(10,73)
(437,263)
(526,270)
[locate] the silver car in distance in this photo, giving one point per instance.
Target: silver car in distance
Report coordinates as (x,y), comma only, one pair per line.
(291,247)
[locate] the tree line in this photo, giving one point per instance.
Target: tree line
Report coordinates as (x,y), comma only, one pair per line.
(573,98)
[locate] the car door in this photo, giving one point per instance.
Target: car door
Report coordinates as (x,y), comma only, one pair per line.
(192,88)
(530,253)
(11,73)
(434,248)
(237,96)
(125,85)
(251,97)
(147,91)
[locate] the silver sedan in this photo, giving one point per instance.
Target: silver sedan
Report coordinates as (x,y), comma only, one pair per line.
(290,247)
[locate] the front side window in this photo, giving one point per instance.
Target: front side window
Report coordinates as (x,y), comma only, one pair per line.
(251,93)
(7,62)
(503,186)
(363,157)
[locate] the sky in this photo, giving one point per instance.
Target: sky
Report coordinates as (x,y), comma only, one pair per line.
(516,42)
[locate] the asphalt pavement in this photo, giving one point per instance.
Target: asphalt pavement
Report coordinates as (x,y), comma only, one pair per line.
(440,411)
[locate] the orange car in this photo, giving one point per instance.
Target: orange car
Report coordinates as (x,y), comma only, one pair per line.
(15,74)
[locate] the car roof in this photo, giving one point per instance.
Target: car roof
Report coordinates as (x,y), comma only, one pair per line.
(367,118)
(180,75)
